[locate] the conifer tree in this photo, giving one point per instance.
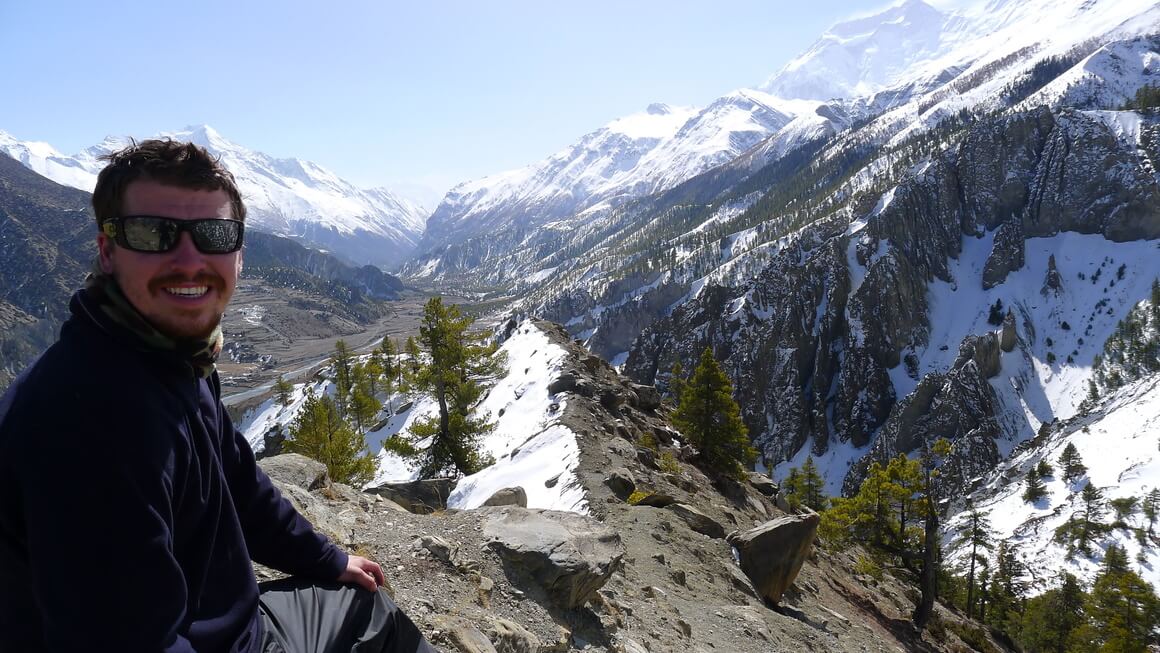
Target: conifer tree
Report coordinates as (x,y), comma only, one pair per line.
(1035,489)
(677,382)
(343,361)
(1071,464)
(1152,508)
(978,535)
(805,486)
(363,405)
(1125,508)
(932,459)
(320,432)
(457,363)
(1123,608)
(1051,619)
(812,486)
(414,354)
(1093,510)
(283,391)
(1044,469)
(1007,590)
(711,420)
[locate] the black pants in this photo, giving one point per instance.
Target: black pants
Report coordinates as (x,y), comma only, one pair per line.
(301,616)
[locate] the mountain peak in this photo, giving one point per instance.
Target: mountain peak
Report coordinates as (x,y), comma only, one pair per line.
(862,55)
(659,109)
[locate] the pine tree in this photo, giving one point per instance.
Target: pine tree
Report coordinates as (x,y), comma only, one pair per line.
(791,488)
(932,459)
(283,391)
(1093,510)
(1044,469)
(362,403)
(813,486)
(1035,490)
(343,361)
(711,420)
(413,353)
(805,486)
(1152,508)
(1007,590)
(1071,464)
(1123,608)
(456,364)
(1051,619)
(978,535)
(677,382)
(320,432)
(1125,508)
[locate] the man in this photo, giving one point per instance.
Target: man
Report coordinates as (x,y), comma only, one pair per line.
(130,507)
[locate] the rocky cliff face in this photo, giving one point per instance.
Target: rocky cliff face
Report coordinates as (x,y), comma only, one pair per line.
(813,341)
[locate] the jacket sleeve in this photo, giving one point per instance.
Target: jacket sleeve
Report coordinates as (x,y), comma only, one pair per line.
(100,593)
(276,534)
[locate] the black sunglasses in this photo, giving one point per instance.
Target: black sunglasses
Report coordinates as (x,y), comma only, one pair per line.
(155,234)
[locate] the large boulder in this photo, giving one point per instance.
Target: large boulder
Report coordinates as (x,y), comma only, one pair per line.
(296,469)
(567,555)
(772,554)
(420,497)
(621,482)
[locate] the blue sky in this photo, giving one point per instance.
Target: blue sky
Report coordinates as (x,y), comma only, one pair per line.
(384,93)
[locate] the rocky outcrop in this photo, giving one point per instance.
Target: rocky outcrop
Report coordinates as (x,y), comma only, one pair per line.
(959,406)
(1052,281)
(772,554)
(1008,336)
(1087,181)
(565,555)
(1007,254)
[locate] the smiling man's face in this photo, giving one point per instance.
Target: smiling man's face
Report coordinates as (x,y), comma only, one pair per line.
(183,292)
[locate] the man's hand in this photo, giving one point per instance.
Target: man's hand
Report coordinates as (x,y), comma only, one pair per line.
(367,574)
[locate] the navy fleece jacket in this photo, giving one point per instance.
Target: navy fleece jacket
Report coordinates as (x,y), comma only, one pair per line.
(130,506)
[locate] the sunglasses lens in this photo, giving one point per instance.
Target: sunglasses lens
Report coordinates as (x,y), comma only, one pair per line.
(148,234)
(217,236)
(145,233)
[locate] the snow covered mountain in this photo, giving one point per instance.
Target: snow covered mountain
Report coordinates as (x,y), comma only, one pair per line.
(285,197)
(863,56)
(630,157)
(904,69)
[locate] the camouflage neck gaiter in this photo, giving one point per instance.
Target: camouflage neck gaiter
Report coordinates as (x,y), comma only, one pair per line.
(201,354)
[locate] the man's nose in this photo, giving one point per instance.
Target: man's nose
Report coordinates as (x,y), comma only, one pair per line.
(186,255)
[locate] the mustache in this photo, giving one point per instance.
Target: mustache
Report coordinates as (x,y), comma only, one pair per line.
(210,279)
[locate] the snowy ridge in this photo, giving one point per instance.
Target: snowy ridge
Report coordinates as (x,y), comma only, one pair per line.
(285,197)
(630,157)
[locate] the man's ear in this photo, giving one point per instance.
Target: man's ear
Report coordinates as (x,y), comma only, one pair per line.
(105,247)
